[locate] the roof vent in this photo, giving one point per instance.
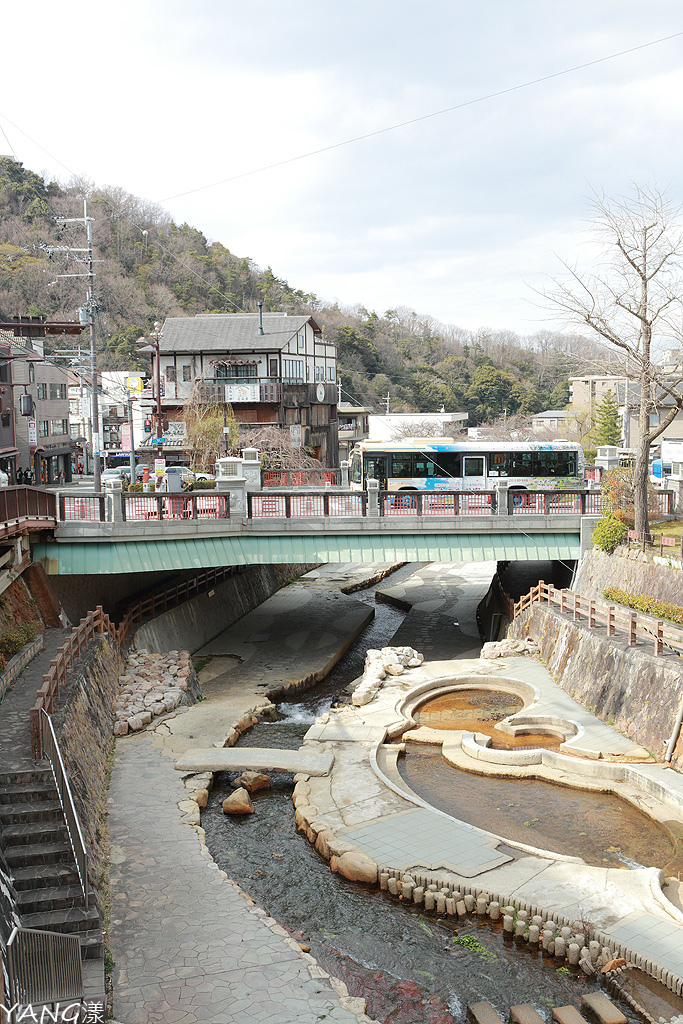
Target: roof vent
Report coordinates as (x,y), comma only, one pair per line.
(260,317)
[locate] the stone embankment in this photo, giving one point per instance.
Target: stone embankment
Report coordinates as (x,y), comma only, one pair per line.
(152,685)
(630,570)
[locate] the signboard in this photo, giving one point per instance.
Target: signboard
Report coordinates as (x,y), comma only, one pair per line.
(32,434)
(135,384)
(125,436)
(242,393)
(159,467)
(95,442)
(295,434)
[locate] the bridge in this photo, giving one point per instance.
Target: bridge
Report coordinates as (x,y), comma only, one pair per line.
(118,532)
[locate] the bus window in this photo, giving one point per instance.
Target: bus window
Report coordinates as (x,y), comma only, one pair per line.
(446,464)
(355,468)
(424,467)
(520,464)
(498,464)
(402,465)
(376,468)
(474,465)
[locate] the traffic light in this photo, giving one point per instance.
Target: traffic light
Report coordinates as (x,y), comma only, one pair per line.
(148,426)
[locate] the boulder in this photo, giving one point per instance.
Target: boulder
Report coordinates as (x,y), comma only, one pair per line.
(357,867)
(120,728)
(251,781)
(135,723)
(238,802)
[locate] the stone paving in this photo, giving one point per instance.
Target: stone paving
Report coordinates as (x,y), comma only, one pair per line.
(188,944)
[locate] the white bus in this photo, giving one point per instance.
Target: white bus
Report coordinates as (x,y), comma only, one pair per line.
(441,464)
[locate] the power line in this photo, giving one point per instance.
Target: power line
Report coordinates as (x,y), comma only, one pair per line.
(423,117)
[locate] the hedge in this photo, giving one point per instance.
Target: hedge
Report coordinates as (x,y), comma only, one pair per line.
(649,605)
(12,640)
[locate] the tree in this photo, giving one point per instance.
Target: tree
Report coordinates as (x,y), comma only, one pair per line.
(631,303)
(607,428)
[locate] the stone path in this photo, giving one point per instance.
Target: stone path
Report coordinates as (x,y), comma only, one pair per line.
(15,748)
(268,759)
(188,945)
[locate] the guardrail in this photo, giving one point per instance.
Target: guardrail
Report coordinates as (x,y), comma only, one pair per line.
(598,613)
(649,540)
(299,506)
(171,596)
(20,506)
(300,477)
(138,507)
(52,752)
(43,968)
(94,624)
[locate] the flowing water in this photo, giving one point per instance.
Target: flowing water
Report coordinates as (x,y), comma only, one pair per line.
(411,967)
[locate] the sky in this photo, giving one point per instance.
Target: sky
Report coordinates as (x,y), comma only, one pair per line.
(459,216)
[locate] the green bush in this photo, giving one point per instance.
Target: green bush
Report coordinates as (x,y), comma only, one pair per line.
(138,488)
(203,485)
(649,605)
(609,533)
(12,640)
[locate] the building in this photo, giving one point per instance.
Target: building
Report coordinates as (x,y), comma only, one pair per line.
(271,368)
(588,392)
(396,426)
(353,424)
(114,419)
(43,440)
(552,420)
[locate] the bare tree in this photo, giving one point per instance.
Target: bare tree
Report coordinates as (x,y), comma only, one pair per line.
(633,303)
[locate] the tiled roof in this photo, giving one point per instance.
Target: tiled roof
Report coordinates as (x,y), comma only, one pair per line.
(233,332)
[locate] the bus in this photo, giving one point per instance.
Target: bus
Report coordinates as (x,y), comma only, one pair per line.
(442,464)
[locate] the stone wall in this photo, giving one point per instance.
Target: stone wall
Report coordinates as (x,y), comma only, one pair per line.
(84,721)
(629,570)
(636,692)
(194,623)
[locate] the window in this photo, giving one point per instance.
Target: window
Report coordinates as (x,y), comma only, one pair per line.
(31,373)
(330,372)
(355,468)
(272,371)
(57,391)
(402,465)
(473,465)
(43,428)
(320,373)
(241,371)
(187,373)
(293,369)
(170,374)
(302,341)
(59,427)
(41,391)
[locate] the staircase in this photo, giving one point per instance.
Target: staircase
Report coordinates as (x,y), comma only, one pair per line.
(35,844)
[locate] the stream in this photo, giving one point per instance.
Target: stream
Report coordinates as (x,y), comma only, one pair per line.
(411,967)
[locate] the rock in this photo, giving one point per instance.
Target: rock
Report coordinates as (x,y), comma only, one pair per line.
(121,728)
(238,802)
(612,965)
(357,867)
(145,717)
(202,797)
(135,723)
(394,670)
(253,781)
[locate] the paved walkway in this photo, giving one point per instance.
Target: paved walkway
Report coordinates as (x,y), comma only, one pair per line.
(15,745)
(188,945)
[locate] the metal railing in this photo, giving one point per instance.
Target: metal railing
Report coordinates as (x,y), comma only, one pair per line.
(599,613)
(94,624)
(52,752)
(44,968)
(437,503)
(81,508)
(297,506)
(300,477)
(201,505)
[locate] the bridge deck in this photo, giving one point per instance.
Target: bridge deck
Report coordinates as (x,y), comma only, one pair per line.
(229,759)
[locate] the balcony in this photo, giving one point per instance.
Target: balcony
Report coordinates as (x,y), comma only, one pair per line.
(236,390)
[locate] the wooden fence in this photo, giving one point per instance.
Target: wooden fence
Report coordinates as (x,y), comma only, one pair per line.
(170,597)
(652,540)
(615,618)
(94,624)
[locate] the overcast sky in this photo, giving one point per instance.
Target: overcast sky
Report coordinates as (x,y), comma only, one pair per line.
(455,216)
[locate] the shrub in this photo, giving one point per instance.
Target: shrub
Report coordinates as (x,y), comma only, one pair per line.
(12,640)
(203,485)
(609,533)
(138,488)
(649,605)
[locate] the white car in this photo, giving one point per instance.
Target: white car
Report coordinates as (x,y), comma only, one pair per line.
(204,476)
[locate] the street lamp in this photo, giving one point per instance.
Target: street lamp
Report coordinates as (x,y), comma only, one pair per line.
(155,337)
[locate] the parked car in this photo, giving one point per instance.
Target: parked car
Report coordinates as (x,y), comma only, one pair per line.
(115,473)
(204,476)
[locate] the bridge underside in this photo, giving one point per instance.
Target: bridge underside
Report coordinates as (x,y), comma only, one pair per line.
(135,556)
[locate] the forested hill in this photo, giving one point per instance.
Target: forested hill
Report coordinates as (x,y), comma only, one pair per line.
(153,268)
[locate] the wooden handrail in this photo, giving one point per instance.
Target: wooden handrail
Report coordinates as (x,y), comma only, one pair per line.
(596,613)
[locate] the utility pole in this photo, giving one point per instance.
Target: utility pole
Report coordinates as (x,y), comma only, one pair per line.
(387,399)
(339,391)
(90,309)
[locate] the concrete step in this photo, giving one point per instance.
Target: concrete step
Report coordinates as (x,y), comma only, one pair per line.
(482,1013)
(568,1015)
(33,832)
(92,945)
(38,901)
(603,1008)
(37,776)
(26,792)
(39,853)
(71,920)
(30,810)
(49,876)
(524,1013)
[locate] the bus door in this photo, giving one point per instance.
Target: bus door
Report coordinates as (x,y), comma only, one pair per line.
(473,473)
(375,468)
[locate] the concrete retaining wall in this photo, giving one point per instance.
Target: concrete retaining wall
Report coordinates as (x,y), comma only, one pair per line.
(638,693)
(193,624)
